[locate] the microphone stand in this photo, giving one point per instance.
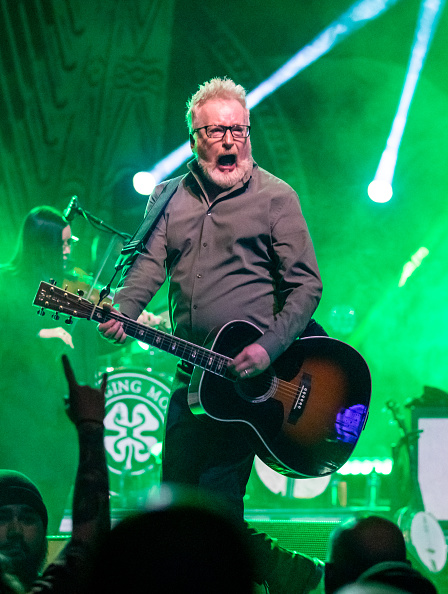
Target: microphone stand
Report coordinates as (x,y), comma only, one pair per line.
(103,226)
(110,247)
(92,219)
(87,356)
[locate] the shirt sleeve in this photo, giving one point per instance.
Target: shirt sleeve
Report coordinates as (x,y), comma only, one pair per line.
(297,278)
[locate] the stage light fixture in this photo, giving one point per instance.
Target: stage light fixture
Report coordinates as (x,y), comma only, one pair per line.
(144,182)
(380,191)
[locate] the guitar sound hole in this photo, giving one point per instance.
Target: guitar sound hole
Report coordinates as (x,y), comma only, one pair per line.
(258,388)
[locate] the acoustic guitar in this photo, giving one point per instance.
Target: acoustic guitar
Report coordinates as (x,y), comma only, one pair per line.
(303,416)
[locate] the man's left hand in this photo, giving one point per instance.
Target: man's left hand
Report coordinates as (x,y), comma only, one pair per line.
(252,360)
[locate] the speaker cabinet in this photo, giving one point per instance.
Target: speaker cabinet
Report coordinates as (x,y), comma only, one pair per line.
(305,535)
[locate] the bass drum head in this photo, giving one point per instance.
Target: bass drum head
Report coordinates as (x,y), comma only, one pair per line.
(136,404)
(278,484)
(425,538)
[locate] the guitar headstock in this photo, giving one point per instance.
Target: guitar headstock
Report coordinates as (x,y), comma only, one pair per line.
(51,297)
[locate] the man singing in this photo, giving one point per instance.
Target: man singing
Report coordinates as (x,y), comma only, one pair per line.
(234,244)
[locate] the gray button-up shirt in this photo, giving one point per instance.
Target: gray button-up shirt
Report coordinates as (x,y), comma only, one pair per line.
(247,255)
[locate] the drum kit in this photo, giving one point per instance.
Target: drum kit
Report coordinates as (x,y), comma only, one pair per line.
(138,388)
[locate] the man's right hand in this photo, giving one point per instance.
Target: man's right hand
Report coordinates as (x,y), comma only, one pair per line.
(112,330)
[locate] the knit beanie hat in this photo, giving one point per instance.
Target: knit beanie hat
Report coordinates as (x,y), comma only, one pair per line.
(16,489)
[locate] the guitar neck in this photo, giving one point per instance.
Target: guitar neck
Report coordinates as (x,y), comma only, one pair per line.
(49,296)
(187,351)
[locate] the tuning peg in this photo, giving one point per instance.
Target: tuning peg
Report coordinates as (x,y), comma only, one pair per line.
(53,282)
(41,311)
(69,320)
(55,316)
(80,292)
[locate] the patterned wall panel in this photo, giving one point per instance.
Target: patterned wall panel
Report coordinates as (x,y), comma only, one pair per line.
(82,99)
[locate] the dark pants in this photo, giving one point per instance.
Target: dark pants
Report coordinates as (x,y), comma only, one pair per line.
(214,456)
(203,453)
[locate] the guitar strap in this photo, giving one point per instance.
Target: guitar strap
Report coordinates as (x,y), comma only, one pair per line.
(136,244)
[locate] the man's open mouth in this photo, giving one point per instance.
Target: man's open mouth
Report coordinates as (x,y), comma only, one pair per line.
(227,162)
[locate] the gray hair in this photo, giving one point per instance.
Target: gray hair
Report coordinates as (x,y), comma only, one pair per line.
(216,88)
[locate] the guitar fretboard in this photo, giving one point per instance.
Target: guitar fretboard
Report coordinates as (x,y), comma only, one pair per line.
(49,296)
(187,351)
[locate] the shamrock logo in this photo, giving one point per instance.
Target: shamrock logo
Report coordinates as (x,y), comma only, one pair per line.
(134,421)
(130,433)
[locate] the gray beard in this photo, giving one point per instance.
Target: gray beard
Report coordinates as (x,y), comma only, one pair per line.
(223,180)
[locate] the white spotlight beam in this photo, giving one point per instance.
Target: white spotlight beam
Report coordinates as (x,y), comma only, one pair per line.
(353,19)
(430,12)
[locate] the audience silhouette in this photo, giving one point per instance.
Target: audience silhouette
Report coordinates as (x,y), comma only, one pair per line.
(371,549)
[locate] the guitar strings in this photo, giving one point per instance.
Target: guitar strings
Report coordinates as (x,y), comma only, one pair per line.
(287,389)
(290,390)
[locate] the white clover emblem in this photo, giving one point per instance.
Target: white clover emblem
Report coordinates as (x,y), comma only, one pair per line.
(127,438)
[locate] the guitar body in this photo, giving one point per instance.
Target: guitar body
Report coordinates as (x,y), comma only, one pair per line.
(304,415)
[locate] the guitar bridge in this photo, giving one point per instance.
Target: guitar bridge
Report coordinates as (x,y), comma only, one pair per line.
(303,392)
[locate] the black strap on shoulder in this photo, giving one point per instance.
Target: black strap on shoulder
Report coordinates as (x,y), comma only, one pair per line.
(136,244)
(138,241)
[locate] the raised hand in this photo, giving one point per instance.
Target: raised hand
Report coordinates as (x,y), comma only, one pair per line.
(84,403)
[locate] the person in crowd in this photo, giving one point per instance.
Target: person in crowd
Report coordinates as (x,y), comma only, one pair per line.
(234,244)
(23,526)
(357,588)
(184,541)
(24,515)
(399,575)
(371,549)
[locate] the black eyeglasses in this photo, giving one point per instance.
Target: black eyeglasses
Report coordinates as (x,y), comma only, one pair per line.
(218,132)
